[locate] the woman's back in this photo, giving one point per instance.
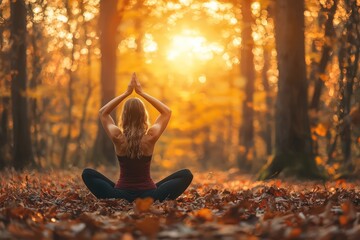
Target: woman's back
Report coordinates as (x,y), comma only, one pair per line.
(135,173)
(146,145)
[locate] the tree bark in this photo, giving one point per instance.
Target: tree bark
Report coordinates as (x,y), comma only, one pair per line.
(70,93)
(269,103)
(246,133)
(79,154)
(33,84)
(22,151)
(103,149)
(5,103)
(348,64)
(4,132)
(109,20)
(325,57)
(293,145)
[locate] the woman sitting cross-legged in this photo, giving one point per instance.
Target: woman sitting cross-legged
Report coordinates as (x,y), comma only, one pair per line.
(134,143)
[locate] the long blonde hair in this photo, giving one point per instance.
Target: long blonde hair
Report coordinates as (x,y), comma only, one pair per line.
(134,124)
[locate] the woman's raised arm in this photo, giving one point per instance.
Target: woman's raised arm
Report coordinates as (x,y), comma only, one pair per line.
(104,113)
(161,122)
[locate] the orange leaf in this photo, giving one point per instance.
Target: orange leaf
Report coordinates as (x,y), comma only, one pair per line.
(205,214)
(320,130)
(143,204)
(343,220)
(295,232)
(324,77)
(149,226)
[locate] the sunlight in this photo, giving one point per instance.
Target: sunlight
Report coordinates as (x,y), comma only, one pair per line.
(255,7)
(212,5)
(149,44)
(191,45)
(202,79)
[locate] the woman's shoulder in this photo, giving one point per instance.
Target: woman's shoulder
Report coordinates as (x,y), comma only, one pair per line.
(120,138)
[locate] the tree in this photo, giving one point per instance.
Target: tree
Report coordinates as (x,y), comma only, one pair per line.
(79,153)
(326,54)
(246,132)
(349,54)
(5,97)
(109,20)
(22,151)
(293,144)
(70,90)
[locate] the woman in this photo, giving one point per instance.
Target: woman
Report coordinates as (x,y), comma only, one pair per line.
(134,144)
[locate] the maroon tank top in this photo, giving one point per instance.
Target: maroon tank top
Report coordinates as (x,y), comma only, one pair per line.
(135,173)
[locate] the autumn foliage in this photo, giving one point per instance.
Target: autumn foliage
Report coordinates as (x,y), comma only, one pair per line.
(57,205)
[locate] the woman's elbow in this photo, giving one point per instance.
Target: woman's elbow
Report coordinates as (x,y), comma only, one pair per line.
(102,112)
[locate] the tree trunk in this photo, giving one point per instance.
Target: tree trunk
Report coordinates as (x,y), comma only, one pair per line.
(4,133)
(269,103)
(34,82)
(23,155)
(205,158)
(5,104)
(348,64)
(108,21)
(325,57)
(246,133)
(70,92)
(79,154)
(293,145)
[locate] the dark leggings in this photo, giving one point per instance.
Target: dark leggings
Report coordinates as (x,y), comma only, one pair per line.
(170,187)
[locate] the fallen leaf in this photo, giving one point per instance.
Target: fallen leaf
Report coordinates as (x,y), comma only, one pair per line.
(143,204)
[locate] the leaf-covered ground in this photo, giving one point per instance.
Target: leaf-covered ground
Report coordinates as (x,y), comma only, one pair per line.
(219,205)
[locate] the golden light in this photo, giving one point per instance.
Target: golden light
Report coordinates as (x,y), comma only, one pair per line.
(212,5)
(202,79)
(236,41)
(88,16)
(255,7)
(62,18)
(190,45)
(149,44)
(185,2)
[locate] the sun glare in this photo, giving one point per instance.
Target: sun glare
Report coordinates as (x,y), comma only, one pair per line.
(190,45)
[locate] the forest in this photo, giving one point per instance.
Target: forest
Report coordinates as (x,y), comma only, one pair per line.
(265,101)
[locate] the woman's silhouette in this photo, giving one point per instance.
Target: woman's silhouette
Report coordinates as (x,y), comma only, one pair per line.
(134,143)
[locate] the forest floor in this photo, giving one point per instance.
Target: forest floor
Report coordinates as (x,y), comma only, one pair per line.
(217,205)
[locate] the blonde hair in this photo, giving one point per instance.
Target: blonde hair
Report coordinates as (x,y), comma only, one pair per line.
(134,124)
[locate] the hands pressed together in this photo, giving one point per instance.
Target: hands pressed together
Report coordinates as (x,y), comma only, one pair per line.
(134,85)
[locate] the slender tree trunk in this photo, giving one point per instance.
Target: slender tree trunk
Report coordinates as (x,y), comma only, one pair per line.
(293,146)
(348,64)
(4,133)
(109,20)
(23,155)
(206,147)
(5,105)
(268,117)
(70,94)
(325,56)
(246,133)
(34,81)
(138,27)
(89,89)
